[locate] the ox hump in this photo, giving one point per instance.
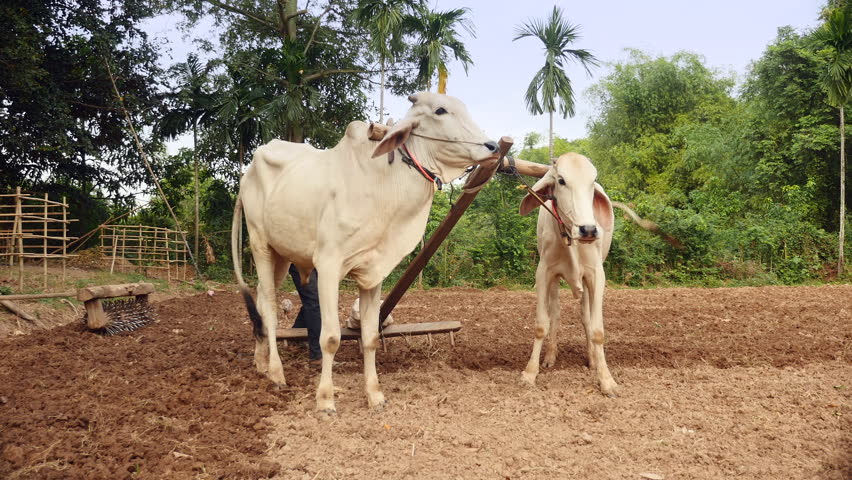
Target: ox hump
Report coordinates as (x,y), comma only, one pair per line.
(357,131)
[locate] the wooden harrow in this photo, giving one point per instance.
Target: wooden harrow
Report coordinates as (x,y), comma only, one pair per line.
(126,307)
(117,315)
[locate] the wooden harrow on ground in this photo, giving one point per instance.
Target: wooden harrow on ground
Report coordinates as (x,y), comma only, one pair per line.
(476,180)
(120,313)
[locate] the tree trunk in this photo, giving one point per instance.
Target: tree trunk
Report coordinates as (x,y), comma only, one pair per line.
(241,154)
(551,137)
(382,94)
(842,234)
(290,7)
(195,162)
(297,134)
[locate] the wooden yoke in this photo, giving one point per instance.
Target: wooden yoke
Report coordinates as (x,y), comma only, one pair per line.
(91,297)
(477,178)
(525,167)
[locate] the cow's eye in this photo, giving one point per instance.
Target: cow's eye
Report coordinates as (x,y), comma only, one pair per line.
(561,181)
(440,111)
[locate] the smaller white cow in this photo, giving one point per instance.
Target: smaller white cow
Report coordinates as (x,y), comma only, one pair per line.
(345,212)
(585,212)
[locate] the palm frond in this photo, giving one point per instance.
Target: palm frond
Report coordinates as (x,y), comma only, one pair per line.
(551,82)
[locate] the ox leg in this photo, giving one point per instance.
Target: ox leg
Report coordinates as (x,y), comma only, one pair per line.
(544,283)
(267,264)
(553,312)
(328,287)
(593,322)
(369,306)
(584,320)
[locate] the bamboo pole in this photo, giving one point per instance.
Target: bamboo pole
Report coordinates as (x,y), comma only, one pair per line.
(124,245)
(120,99)
(20,238)
(64,241)
(33,296)
(44,276)
(14,308)
(168,255)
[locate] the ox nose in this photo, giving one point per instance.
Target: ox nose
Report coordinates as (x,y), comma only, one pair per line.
(588,231)
(491,145)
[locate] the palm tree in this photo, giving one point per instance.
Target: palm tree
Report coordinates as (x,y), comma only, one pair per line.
(835,36)
(550,82)
(383,20)
(437,38)
(192,106)
(238,123)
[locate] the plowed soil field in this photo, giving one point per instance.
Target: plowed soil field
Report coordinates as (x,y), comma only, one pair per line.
(748,383)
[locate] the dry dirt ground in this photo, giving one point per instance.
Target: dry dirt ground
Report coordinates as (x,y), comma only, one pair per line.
(747,383)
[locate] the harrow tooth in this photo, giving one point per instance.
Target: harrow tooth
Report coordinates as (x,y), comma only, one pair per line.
(126,315)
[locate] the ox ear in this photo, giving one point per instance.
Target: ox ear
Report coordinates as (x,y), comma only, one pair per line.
(543,187)
(602,208)
(396,136)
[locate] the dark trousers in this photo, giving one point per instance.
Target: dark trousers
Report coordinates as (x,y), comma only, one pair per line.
(309,315)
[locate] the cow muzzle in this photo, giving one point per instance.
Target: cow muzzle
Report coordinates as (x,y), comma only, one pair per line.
(588,233)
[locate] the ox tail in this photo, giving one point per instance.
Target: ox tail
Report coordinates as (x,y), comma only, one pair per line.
(236,254)
(648,225)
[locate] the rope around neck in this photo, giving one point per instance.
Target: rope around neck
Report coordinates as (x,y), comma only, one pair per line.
(563,229)
(446,140)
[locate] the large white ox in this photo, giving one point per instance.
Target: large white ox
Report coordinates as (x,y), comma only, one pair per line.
(345,212)
(584,211)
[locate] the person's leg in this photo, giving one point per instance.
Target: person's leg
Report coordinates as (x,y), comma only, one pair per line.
(309,313)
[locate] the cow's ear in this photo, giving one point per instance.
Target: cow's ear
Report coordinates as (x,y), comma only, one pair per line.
(543,187)
(395,137)
(602,207)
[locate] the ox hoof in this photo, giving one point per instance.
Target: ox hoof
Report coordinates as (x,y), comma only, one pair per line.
(377,402)
(277,387)
(528,378)
(379,407)
(278,380)
(611,390)
(327,414)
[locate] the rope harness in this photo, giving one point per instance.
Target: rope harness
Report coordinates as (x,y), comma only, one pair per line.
(409,159)
(445,140)
(542,201)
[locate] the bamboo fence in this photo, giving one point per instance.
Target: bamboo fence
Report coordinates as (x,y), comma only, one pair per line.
(33,228)
(142,247)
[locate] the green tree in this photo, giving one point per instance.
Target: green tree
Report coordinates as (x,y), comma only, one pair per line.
(383,19)
(787,134)
(58,125)
(644,105)
(309,61)
(191,103)
(437,37)
(835,36)
(238,125)
(551,82)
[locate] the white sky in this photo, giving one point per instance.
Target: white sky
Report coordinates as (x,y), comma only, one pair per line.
(730,34)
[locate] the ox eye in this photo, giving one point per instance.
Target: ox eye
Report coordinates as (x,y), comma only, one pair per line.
(440,111)
(561,181)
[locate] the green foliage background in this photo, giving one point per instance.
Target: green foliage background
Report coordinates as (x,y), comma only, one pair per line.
(744,172)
